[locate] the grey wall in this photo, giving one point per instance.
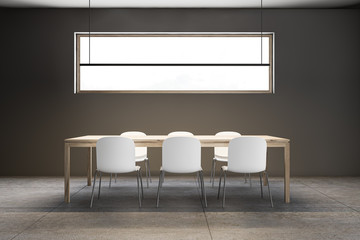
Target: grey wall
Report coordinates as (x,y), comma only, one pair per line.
(316,103)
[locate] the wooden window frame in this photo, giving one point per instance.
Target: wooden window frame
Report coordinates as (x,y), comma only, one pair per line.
(270,35)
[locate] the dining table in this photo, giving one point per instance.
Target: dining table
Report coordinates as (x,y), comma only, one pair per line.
(89,142)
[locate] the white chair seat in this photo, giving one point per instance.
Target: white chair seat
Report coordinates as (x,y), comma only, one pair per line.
(221,158)
(140,158)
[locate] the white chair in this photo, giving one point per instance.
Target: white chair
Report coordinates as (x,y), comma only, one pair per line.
(180,133)
(116,155)
(221,155)
(246,155)
(181,155)
(140,154)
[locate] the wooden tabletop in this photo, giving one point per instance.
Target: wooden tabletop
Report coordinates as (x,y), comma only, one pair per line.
(157,140)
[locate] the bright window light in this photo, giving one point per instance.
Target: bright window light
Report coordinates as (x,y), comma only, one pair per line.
(174,62)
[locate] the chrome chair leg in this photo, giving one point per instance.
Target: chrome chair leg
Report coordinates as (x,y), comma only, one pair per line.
(92,193)
(99,185)
(212,169)
(199,183)
(162,178)
(267,180)
(115,177)
(261,187)
(138,187)
(198,179)
(159,186)
(213,174)
(203,188)
(245,178)
(223,202)
(141,184)
(146,173)
(221,174)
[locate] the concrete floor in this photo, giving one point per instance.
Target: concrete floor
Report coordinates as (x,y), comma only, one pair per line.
(321,208)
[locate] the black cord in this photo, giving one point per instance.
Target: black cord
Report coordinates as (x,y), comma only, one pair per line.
(89,29)
(261,28)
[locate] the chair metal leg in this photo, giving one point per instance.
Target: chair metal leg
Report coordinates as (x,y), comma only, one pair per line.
(245,178)
(203,188)
(92,193)
(223,201)
(138,187)
(213,170)
(141,184)
(162,178)
(115,177)
(159,186)
(261,187)
(267,180)
(198,179)
(221,174)
(199,183)
(99,185)
(110,180)
(146,173)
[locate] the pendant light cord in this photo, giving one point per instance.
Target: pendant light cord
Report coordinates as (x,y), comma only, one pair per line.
(89,28)
(261,29)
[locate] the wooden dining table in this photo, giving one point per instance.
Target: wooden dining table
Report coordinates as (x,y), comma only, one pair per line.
(89,141)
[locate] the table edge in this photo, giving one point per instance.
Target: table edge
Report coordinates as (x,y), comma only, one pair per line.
(77,140)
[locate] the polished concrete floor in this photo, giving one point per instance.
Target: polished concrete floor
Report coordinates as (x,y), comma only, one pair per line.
(321,208)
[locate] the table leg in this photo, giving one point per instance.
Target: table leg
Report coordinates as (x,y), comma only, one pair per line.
(89,173)
(67,172)
(287,173)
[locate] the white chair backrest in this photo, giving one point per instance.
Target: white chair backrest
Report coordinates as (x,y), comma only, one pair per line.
(247,155)
(181,155)
(223,151)
(180,133)
(115,154)
(139,151)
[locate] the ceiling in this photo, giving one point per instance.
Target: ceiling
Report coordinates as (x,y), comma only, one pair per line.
(178,3)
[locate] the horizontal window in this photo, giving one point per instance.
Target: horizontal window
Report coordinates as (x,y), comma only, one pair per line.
(186,62)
